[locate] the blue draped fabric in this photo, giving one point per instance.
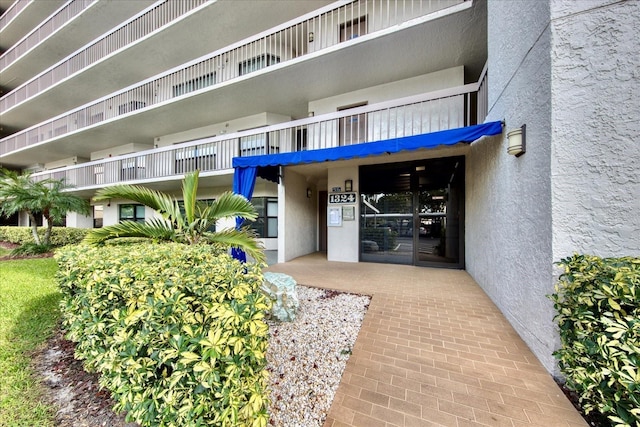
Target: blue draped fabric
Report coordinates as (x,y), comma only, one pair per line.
(246,168)
(428,140)
(244,181)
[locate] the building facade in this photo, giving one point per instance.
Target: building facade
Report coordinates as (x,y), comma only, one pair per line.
(376,129)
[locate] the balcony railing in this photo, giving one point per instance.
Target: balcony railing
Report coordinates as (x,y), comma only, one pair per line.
(431,112)
(12,12)
(44,30)
(310,33)
(159,15)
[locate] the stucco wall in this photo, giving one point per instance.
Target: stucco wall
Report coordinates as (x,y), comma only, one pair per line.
(568,69)
(443,79)
(343,241)
(508,211)
(595,152)
(77,220)
(297,217)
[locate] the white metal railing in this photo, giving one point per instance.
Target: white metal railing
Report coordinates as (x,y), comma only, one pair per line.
(313,32)
(160,14)
(483,95)
(13,11)
(44,30)
(431,112)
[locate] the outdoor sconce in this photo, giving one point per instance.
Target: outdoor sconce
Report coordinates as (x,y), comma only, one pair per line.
(308,193)
(348,185)
(517,141)
(311,37)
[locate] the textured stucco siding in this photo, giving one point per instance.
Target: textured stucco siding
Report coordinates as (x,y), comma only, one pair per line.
(297,217)
(595,160)
(508,215)
(569,70)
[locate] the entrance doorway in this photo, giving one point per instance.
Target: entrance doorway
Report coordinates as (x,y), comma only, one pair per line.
(413,213)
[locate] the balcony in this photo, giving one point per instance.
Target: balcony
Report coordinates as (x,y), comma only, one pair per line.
(430,112)
(157,38)
(56,21)
(22,15)
(68,28)
(304,52)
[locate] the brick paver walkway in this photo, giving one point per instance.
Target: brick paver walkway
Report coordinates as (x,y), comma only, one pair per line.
(433,351)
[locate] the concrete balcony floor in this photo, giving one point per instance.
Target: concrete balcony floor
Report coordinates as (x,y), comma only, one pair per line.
(433,350)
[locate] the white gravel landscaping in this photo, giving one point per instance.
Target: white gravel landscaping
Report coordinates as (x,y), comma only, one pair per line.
(306,357)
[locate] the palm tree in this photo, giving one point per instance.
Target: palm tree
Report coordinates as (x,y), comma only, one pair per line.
(185,222)
(19,192)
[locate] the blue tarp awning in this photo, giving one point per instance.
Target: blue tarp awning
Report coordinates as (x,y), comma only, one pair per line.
(428,140)
(247,169)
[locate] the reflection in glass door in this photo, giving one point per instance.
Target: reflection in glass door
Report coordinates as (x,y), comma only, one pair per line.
(386,228)
(438,223)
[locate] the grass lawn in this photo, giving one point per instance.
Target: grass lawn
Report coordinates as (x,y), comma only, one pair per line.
(28,313)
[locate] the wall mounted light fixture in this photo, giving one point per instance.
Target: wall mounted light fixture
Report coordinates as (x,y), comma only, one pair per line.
(517,141)
(311,36)
(348,185)
(308,193)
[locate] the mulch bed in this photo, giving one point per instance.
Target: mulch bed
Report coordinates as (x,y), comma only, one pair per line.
(12,246)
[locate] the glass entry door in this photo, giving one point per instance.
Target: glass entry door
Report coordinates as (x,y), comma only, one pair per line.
(386,228)
(413,213)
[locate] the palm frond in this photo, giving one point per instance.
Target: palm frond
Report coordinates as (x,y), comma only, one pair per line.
(156,229)
(156,200)
(231,205)
(244,239)
(189,195)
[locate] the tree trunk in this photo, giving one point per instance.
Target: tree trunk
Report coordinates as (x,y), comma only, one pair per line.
(34,228)
(47,232)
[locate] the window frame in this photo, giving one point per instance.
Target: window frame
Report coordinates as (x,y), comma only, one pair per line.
(257,63)
(265,231)
(197,83)
(135,217)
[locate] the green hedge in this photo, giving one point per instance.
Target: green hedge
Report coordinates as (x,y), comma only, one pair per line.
(176,331)
(598,306)
(60,236)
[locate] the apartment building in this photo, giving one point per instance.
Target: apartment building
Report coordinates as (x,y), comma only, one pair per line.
(372,130)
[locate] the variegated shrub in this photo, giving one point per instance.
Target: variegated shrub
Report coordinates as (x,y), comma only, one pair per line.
(175,331)
(598,306)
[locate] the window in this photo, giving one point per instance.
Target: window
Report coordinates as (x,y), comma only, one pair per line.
(39,219)
(59,131)
(257,63)
(301,139)
(266,225)
(96,118)
(202,157)
(352,29)
(352,129)
(132,168)
(257,145)
(195,84)
(98,215)
(130,106)
(132,213)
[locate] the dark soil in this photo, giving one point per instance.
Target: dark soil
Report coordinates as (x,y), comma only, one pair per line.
(75,393)
(593,419)
(12,246)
